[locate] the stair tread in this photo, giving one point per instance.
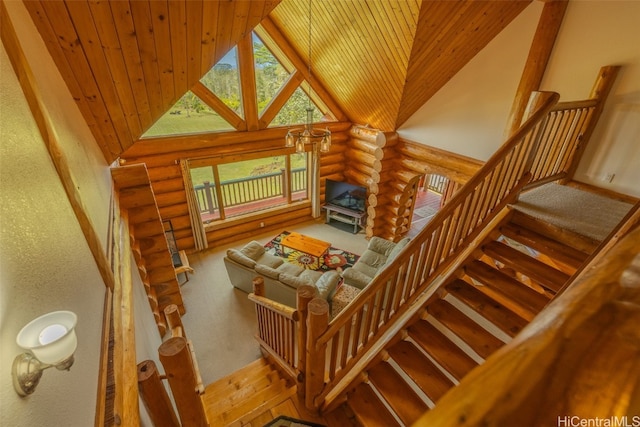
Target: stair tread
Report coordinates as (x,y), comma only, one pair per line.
(506,289)
(399,395)
(446,353)
(538,271)
(570,238)
(478,338)
(240,378)
(249,407)
(555,250)
(368,409)
(421,370)
(340,417)
(508,322)
(259,383)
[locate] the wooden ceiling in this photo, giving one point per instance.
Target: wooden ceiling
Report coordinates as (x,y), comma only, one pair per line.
(128,62)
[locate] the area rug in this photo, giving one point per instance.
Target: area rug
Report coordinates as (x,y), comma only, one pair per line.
(333,259)
(283,421)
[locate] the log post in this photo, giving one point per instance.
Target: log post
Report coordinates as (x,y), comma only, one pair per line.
(154,396)
(175,356)
(317,323)
(174,321)
(304,295)
(258,286)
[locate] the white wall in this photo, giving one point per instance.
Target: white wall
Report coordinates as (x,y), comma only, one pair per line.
(594,34)
(45,263)
(469,114)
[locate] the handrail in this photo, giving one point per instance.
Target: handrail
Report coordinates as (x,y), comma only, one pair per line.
(585,347)
(277,329)
(567,124)
(352,333)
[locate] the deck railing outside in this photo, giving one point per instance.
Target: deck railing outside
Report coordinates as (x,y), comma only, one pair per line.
(237,192)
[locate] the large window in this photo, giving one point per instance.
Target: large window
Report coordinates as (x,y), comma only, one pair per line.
(226,189)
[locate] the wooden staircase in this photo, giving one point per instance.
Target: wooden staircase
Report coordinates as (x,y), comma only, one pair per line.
(511,277)
(244,394)
(497,291)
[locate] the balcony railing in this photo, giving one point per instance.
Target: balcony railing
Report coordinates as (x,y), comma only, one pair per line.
(245,191)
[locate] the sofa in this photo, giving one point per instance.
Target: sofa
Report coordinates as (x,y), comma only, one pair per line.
(281,279)
(379,253)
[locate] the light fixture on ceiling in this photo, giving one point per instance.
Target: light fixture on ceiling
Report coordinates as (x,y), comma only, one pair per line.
(51,341)
(309,135)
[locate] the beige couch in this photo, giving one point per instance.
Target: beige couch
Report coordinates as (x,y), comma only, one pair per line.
(281,279)
(379,253)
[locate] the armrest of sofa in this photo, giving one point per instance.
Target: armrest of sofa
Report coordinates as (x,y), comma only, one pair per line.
(326,284)
(356,278)
(380,245)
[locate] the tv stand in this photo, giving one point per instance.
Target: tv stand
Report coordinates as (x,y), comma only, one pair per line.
(347,216)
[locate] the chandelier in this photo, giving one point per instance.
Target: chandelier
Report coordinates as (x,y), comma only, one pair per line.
(309,135)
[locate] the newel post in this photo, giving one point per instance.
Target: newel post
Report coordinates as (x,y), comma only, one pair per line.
(154,396)
(304,295)
(258,286)
(175,356)
(317,323)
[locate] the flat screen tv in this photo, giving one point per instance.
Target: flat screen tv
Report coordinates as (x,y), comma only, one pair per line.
(343,194)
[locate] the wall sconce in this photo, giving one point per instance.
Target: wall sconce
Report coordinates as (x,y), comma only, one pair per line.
(51,341)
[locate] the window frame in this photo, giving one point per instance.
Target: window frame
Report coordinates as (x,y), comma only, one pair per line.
(215,161)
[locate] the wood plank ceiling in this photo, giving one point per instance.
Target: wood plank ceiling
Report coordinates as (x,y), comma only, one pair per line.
(128,62)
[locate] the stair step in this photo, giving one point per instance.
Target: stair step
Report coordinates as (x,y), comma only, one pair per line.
(369,409)
(506,320)
(421,370)
(342,416)
(250,406)
(446,353)
(399,395)
(506,290)
(478,338)
(569,238)
(555,250)
(225,386)
(540,272)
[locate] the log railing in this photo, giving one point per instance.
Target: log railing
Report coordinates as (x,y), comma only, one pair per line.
(279,328)
(572,366)
(567,131)
(350,335)
(547,147)
(559,132)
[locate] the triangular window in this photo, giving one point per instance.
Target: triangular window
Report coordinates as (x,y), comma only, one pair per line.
(270,74)
(224,81)
(189,115)
(294,112)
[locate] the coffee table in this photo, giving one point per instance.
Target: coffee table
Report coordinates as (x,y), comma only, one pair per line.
(309,245)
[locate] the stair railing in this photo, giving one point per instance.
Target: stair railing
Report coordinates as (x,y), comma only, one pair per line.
(547,147)
(569,127)
(282,330)
(351,334)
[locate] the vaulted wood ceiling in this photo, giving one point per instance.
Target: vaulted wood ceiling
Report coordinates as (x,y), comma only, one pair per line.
(128,62)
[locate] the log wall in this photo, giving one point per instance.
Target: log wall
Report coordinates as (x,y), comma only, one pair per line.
(390,168)
(162,157)
(381,162)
